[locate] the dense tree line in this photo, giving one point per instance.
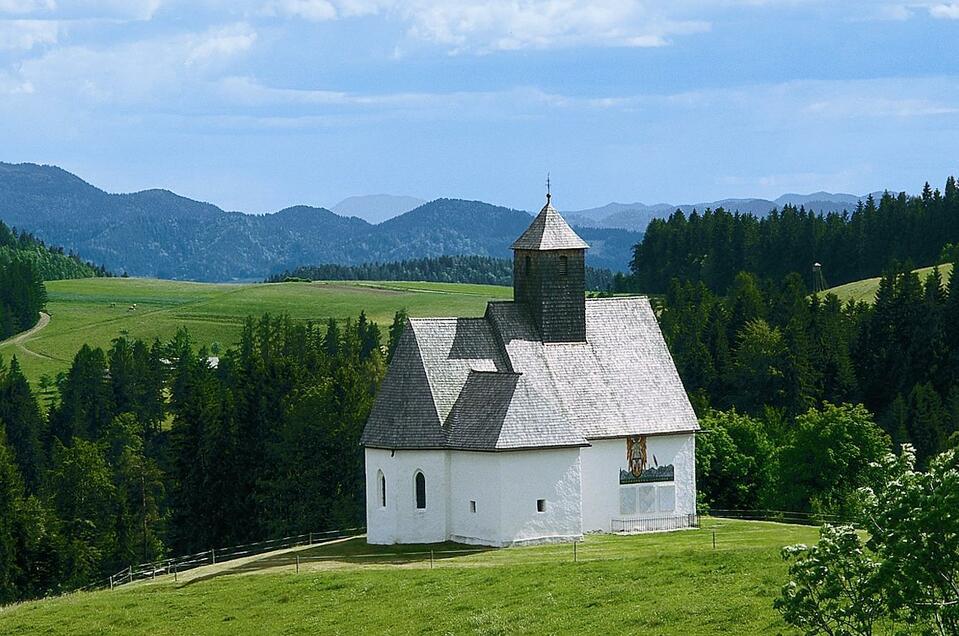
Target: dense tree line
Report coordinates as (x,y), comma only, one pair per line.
(713,246)
(52,263)
(771,353)
(484,270)
(152,450)
(25,262)
(22,296)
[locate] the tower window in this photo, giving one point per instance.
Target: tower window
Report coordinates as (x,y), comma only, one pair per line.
(420,482)
(540,505)
(528,263)
(381,488)
(563,265)
(472,506)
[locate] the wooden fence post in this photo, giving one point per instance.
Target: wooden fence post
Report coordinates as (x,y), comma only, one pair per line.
(213,555)
(431,559)
(574,551)
(298,563)
(174,572)
(111,581)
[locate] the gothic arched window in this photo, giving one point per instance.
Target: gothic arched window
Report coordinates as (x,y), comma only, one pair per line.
(381,488)
(420,483)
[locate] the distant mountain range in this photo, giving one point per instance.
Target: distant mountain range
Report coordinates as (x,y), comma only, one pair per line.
(158,233)
(376,208)
(636,216)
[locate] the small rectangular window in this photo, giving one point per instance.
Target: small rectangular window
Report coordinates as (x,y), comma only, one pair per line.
(540,505)
(563,265)
(472,506)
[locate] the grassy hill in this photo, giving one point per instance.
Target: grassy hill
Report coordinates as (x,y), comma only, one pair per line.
(669,583)
(96,310)
(865,290)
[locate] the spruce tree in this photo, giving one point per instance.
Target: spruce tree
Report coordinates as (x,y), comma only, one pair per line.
(25,425)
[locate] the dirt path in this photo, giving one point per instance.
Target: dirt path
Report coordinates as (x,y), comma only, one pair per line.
(21,338)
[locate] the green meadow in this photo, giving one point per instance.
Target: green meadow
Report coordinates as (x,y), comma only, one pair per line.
(865,290)
(667,583)
(97,310)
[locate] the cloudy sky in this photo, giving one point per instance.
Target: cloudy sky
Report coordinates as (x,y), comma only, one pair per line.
(259,104)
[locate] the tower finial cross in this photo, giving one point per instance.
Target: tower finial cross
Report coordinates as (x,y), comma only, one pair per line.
(548,194)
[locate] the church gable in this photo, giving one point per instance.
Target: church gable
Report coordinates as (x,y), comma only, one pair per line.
(404,412)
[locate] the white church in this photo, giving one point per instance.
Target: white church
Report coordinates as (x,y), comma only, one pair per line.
(549,417)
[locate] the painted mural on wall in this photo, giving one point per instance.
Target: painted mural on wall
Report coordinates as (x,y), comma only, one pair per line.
(642,467)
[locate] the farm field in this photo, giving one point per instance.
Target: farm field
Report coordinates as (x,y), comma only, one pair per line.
(97,310)
(865,290)
(668,583)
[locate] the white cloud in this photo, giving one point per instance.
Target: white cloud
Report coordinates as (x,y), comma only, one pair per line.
(496,25)
(171,67)
(221,43)
(314,10)
(120,9)
(23,35)
(22,7)
(948,11)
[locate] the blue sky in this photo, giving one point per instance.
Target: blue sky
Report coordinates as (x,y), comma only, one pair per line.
(259,104)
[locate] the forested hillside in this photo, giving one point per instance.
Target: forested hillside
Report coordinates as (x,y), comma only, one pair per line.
(51,263)
(265,444)
(771,352)
(713,246)
(156,233)
(25,263)
(484,270)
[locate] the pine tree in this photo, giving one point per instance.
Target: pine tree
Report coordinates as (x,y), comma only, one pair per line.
(21,412)
(11,501)
(926,421)
(396,330)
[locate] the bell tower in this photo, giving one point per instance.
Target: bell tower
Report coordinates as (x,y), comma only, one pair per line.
(549,276)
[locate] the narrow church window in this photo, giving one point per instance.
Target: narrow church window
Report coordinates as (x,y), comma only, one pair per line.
(563,265)
(420,491)
(472,506)
(529,264)
(540,505)
(381,488)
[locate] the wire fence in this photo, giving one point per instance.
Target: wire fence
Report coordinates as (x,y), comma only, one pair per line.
(178,564)
(633,524)
(781,516)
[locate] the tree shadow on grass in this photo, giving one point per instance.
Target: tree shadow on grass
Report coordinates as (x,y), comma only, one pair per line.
(355,551)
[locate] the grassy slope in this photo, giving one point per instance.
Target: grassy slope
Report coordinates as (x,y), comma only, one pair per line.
(865,290)
(671,583)
(81,310)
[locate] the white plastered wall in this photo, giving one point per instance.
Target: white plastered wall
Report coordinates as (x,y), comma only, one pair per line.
(400,521)
(505,487)
(601,488)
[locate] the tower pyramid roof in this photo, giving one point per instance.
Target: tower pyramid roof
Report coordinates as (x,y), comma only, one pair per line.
(549,231)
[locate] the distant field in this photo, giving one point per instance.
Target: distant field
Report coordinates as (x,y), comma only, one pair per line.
(96,310)
(865,290)
(670,583)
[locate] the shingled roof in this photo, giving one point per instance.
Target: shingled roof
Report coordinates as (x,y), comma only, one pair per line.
(549,231)
(492,384)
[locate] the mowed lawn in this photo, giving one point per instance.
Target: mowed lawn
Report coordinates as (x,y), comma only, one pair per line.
(672,583)
(95,311)
(865,290)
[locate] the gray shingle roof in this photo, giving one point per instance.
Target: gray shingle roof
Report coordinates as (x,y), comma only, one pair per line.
(491,384)
(549,231)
